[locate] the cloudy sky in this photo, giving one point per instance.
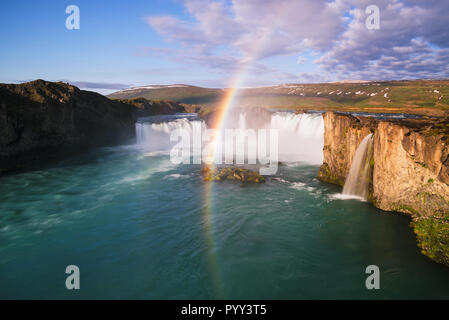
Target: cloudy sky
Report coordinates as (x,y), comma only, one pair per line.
(209,43)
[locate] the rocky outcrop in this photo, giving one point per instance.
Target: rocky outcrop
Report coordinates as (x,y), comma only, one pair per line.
(40,119)
(232,173)
(410,171)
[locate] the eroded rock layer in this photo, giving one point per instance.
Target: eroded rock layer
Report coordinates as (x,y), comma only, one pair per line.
(410,170)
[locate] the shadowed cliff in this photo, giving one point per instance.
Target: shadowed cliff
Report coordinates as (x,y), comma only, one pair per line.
(41,119)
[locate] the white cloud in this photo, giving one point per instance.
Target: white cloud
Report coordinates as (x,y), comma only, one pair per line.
(301,60)
(411,43)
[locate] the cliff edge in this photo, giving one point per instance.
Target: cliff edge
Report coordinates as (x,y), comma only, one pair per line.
(41,119)
(410,170)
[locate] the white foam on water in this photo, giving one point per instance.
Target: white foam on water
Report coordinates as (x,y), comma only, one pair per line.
(300,186)
(176,176)
(341,196)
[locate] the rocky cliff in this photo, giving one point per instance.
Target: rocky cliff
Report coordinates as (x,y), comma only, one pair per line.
(410,167)
(145,108)
(39,119)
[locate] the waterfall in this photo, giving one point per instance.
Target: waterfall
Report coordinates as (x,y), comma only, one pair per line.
(156,136)
(356,183)
(300,136)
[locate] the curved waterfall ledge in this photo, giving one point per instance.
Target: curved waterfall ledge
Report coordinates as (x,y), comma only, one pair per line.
(300,136)
(410,167)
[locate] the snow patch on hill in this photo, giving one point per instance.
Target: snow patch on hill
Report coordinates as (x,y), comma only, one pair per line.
(155,87)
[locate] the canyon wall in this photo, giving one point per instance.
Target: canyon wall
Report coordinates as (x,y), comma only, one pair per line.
(40,120)
(410,171)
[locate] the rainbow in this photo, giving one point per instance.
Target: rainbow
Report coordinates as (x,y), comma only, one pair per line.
(208,205)
(217,123)
(224,107)
(219,119)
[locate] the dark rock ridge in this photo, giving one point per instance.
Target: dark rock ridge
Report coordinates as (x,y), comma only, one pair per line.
(145,108)
(410,167)
(39,119)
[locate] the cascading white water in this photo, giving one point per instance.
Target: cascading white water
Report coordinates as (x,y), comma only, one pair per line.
(356,183)
(301,136)
(156,136)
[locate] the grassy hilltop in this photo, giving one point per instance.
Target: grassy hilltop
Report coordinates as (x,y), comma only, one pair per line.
(416,96)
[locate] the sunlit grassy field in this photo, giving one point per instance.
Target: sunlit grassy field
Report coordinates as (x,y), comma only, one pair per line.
(418,96)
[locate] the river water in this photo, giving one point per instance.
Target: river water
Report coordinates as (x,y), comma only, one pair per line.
(140,227)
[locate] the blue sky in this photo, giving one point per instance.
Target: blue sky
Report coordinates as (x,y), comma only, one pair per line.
(208,43)
(36,43)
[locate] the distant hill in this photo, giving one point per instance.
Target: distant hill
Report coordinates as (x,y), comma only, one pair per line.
(177,92)
(415,96)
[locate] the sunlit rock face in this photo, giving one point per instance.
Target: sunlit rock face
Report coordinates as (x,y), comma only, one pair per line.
(409,171)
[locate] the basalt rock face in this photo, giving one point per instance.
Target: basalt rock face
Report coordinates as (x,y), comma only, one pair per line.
(40,119)
(410,171)
(410,174)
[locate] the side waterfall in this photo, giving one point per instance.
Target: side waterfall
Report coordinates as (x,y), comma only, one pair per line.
(356,183)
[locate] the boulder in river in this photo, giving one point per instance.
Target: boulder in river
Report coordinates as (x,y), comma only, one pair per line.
(232,173)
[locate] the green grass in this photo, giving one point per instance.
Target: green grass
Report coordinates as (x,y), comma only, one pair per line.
(417,96)
(188,95)
(422,164)
(433,238)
